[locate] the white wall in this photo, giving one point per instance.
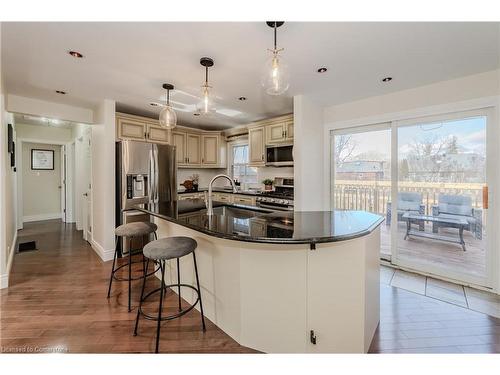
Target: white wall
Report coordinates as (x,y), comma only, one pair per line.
(8,197)
(308,155)
(103,180)
(43,133)
(37,107)
(41,188)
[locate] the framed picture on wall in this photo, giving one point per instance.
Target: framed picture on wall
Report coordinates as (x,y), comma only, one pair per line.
(42,159)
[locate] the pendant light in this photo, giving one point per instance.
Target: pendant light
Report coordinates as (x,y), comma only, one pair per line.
(207,105)
(276,76)
(168,118)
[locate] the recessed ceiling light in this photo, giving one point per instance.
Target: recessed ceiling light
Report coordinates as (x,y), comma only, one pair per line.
(322,70)
(387,79)
(242,98)
(76,54)
(61,92)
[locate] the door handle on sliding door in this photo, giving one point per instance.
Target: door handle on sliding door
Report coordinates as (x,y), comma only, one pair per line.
(485,197)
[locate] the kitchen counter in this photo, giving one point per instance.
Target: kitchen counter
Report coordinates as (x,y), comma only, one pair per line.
(222,190)
(272,280)
(236,222)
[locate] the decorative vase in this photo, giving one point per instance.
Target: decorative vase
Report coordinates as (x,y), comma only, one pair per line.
(268,187)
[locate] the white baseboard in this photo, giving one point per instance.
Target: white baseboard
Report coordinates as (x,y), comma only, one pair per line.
(105,255)
(41,217)
(4,279)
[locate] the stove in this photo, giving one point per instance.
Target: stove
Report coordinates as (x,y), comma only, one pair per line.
(281,198)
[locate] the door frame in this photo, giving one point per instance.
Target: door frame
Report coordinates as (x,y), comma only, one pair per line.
(491,103)
(19,174)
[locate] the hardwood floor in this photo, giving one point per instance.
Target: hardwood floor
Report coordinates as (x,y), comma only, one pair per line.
(57,302)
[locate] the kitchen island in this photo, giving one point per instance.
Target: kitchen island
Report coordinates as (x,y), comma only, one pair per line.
(281,282)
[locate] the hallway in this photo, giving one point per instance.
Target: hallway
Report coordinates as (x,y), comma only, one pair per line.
(57,303)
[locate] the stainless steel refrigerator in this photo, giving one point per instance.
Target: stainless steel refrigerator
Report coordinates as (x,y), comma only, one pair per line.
(145,173)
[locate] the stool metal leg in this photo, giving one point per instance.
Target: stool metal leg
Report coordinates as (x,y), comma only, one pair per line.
(179,282)
(130,274)
(113,267)
(142,295)
(199,292)
(162,287)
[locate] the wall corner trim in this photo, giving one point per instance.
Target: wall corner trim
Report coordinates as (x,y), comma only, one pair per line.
(105,255)
(4,279)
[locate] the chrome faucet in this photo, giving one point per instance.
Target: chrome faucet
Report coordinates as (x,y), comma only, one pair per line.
(210,210)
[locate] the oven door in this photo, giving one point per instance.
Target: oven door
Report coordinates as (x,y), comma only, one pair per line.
(274,207)
(279,155)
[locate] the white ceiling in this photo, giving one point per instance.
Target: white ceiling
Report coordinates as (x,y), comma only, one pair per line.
(128,62)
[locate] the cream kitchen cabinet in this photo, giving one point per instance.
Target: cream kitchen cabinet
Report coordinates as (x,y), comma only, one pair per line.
(129,128)
(193,149)
(279,132)
(210,149)
(222,197)
(179,141)
(246,200)
(194,195)
(136,129)
(256,146)
(157,134)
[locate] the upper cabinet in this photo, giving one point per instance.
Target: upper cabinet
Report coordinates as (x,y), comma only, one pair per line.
(194,148)
(131,129)
(210,149)
(256,146)
(157,134)
(136,128)
(268,132)
(280,130)
(179,141)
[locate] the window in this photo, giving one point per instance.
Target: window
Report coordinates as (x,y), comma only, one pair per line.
(241,171)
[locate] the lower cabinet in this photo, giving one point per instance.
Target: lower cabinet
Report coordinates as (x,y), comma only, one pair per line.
(184,196)
(222,197)
(244,199)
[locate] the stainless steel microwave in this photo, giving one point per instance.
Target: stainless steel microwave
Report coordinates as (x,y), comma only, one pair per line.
(280,155)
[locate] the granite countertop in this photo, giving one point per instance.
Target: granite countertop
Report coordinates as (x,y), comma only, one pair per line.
(253,224)
(222,190)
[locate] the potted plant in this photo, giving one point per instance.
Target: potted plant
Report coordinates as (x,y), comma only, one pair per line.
(268,184)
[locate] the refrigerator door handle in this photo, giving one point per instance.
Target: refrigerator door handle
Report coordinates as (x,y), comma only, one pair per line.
(155,173)
(151,176)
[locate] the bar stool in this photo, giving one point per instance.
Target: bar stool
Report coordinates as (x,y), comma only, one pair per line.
(130,231)
(159,251)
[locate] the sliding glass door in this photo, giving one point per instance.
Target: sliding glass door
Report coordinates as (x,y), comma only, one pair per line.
(361,173)
(442,203)
(429,178)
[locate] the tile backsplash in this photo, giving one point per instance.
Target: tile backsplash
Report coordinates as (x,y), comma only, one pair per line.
(206,175)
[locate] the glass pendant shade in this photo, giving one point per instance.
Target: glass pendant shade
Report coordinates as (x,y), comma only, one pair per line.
(206,106)
(168,117)
(276,77)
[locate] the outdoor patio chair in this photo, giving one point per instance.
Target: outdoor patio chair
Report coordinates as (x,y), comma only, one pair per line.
(407,202)
(458,206)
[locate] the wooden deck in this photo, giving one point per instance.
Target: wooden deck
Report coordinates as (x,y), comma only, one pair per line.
(446,256)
